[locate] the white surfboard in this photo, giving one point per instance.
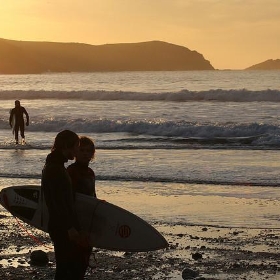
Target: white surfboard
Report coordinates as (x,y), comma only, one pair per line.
(13,122)
(109,226)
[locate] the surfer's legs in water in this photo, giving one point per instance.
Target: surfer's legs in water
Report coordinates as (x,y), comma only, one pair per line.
(16,133)
(19,127)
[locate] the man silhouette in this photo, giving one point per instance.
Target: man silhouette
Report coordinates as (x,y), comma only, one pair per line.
(16,116)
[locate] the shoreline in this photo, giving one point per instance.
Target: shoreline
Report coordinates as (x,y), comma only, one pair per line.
(211,252)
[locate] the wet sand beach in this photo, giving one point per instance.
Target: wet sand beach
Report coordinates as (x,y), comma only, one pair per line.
(194,251)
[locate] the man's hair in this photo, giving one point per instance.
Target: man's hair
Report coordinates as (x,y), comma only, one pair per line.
(65,139)
(86,141)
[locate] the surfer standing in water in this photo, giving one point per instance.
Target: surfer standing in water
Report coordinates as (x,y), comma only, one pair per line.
(17,121)
(63,225)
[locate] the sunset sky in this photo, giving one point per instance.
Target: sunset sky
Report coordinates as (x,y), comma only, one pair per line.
(231,34)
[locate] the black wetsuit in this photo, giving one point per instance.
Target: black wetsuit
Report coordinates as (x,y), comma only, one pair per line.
(58,193)
(83,178)
(18,112)
(83,181)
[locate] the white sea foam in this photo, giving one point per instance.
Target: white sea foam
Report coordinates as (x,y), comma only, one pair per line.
(218,95)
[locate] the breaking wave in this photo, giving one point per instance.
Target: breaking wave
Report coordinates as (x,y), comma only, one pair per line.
(218,95)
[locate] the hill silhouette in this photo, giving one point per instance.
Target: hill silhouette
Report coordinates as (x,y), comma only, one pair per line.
(269,64)
(24,57)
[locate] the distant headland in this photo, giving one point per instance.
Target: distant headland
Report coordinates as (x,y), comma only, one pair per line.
(24,57)
(269,64)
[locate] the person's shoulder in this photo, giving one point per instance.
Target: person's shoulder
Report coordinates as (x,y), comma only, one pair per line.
(54,166)
(72,170)
(91,171)
(53,171)
(72,166)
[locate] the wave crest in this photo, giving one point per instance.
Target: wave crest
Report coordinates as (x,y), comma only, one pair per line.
(217,95)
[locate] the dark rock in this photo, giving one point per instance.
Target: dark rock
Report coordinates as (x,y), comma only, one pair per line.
(189,273)
(39,258)
(196,256)
(194,237)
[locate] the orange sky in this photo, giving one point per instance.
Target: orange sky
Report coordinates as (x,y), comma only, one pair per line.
(231,34)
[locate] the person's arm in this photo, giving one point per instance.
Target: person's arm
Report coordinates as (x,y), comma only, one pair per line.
(74,176)
(93,183)
(91,174)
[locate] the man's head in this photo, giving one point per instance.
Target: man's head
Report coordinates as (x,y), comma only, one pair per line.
(17,103)
(67,142)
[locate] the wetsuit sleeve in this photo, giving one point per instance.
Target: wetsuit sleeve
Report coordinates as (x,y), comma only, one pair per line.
(74,176)
(92,174)
(26,114)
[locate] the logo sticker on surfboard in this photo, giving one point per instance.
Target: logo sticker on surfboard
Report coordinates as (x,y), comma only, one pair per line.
(124,231)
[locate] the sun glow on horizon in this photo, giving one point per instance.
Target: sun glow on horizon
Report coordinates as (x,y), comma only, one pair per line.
(230,34)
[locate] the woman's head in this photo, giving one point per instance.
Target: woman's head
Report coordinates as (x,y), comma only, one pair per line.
(67,142)
(86,150)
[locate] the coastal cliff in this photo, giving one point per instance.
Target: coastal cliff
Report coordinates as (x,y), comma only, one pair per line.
(24,57)
(269,64)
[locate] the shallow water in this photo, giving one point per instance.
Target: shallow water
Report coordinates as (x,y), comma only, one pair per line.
(169,145)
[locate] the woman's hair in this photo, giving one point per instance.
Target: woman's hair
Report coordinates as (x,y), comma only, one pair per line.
(86,141)
(65,139)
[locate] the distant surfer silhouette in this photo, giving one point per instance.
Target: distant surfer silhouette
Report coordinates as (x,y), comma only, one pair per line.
(17,120)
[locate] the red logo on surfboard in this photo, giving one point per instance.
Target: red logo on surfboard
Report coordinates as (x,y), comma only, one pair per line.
(124,231)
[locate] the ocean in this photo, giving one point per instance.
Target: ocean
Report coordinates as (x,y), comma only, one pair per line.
(175,148)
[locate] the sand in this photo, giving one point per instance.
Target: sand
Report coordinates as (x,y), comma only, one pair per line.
(210,252)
